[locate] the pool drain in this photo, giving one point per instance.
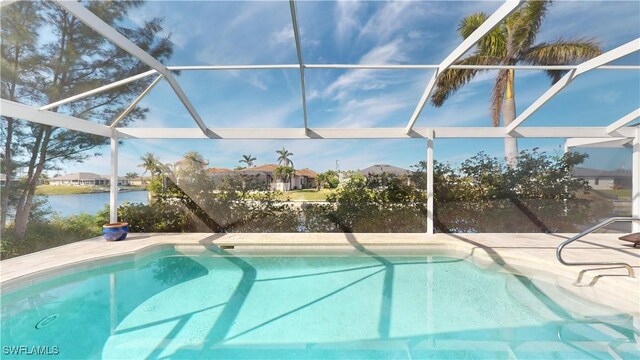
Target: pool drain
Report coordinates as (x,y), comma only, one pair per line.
(46,321)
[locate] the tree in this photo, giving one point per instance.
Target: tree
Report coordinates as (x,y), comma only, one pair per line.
(131,175)
(284,157)
(150,164)
(284,173)
(510,43)
(19,58)
(329,177)
(248,160)
(190,168)
(193,161)
(52,61)
(322,179)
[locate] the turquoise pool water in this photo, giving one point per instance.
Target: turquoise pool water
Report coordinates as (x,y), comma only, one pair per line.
(216,305)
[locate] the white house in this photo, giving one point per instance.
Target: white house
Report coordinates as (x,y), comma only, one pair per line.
(604,179)
(303,179)
(85,178)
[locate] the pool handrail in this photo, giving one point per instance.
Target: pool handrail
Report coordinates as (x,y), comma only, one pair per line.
(589,231)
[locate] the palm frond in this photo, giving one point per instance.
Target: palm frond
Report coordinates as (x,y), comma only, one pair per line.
(524,24)
(555,75)
(561,52)
(497,96)
(453,79)
(471,23)
(493,43)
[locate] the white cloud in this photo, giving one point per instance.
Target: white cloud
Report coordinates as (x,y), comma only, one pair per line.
(353,80)
(389,19)
(347,19)
(283,36)
(241,114)
(369,112)
(607,96)
(391,52)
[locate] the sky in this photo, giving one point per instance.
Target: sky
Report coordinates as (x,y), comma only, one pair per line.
(399,32)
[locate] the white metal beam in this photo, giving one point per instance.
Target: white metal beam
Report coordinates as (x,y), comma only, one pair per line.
(91,20)
(423,100)
(552,91)
(388,67)
(136,101)
(113,188)
(611,55)
(586,66)
(430,203)
(635,193)
(371,133)
(187,104)
(25,112)
(613,142)
(296,36)
(232,67)
(624,121)
(323,66)
(499,15)
(98,90)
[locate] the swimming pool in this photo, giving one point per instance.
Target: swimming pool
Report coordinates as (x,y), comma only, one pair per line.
(218,305)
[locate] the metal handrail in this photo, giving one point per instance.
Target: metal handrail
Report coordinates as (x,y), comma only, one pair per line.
(589,231)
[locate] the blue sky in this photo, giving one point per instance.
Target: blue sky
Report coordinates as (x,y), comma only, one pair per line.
(407,32)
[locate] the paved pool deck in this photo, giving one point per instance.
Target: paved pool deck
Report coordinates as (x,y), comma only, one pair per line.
(532,255)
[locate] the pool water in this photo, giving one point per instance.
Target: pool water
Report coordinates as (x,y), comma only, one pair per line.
(217,305)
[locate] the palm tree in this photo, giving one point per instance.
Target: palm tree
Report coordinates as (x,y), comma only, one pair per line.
(511,43)
(248,159)
(284,173)
(150,164)
(284,157)
(194,161)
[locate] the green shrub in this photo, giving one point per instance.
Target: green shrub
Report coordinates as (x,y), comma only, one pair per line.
(378,203)
(44,234)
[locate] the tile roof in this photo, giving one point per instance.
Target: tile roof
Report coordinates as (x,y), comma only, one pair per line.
(383,168)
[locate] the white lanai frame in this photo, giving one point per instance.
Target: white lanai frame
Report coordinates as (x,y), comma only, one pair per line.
(618,132)
(503,11)
(617,53)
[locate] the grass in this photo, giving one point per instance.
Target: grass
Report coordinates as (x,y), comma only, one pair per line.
(622,193)
(307,195)
(70,190)
(67,190)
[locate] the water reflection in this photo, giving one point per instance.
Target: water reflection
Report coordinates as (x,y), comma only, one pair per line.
(89,310)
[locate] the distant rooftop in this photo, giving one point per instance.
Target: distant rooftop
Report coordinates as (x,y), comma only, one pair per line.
(586,172)
(84,176)
(80,176)
(386,169)
(266,168)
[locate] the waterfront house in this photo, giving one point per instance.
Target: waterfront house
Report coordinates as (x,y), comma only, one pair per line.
(86,179)
(394,171)
(604,179)
(264,174)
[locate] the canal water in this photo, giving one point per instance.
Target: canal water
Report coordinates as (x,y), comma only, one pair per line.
(66,205)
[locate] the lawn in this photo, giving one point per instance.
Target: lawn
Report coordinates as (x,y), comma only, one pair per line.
(622,193)
(69,190)
(307,195)
(66,190)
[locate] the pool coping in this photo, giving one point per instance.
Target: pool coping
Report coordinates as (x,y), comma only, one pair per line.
(531,255)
